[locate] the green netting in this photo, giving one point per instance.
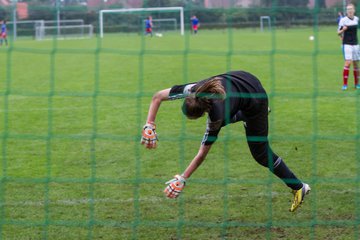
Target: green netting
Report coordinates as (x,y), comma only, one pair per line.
(72,112)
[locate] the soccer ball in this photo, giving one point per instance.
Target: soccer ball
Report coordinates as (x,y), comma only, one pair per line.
(158,34)
(311,38)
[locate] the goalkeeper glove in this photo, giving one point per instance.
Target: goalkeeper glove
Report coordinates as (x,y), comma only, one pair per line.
(149,136)
(175,186)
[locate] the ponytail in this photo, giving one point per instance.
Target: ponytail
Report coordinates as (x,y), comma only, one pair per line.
(198,103)
(211,89)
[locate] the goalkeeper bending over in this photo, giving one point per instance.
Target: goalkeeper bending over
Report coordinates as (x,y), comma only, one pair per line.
(226,98)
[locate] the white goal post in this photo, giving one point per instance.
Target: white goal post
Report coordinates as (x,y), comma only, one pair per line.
(130,10)
(262,19)
(27,27)
(64,32)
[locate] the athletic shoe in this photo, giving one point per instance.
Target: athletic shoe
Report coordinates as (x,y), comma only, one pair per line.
(357,86)
(299,196)
(344,87)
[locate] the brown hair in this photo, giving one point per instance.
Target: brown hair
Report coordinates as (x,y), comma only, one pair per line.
(198,103)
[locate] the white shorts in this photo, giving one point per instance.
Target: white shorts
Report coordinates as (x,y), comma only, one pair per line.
(351,52)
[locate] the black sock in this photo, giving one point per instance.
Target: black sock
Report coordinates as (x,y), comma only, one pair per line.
(284,173)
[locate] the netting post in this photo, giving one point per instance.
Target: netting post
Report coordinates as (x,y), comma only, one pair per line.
(4,171)
(14,19)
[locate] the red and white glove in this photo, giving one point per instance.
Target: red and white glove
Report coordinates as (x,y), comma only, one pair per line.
(149,137)
(175,186)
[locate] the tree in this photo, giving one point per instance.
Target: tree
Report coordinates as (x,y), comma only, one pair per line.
(285,3)
(156,3)
(322,3)
(174,3)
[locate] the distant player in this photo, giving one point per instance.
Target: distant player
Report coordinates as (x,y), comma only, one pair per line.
(340,16)
(226,98)
(194,24)
(3,34)
(348,30)
(148,26)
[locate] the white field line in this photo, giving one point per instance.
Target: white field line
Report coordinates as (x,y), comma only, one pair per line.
(154,199)
(74,202)
(45,109)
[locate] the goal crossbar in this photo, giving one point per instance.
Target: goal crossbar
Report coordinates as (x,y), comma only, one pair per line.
(130,10)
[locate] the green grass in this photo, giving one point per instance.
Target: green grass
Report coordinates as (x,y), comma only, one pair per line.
(70,121)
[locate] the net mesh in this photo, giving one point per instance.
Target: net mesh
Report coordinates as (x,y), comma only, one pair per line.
(72,113)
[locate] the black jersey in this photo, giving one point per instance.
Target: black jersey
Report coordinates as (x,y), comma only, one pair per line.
(244,93)
(350,35)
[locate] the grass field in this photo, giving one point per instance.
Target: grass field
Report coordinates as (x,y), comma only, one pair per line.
(70,121)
